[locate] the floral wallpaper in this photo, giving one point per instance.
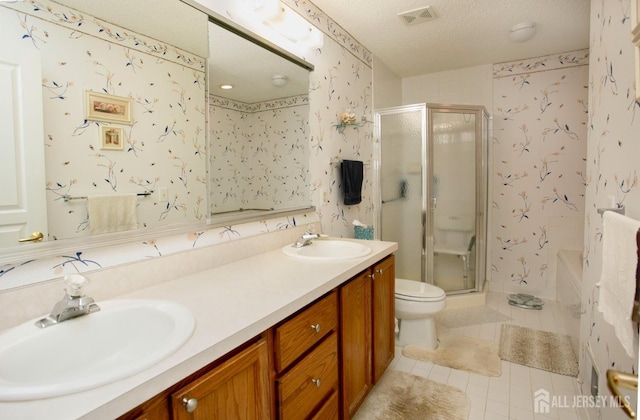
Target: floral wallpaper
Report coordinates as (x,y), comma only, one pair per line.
(259,154)
(342,80)
(612,177)
(540,145)
(165,146)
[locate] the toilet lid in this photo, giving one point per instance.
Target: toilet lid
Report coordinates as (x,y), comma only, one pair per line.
(417,290)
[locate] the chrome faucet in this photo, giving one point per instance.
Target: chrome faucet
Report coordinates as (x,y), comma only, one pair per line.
(305,239)
(74,303)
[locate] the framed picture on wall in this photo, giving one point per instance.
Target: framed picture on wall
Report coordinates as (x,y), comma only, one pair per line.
(111,138)
(107,108)
(635,36)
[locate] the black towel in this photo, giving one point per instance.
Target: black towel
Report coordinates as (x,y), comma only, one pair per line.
(352,181)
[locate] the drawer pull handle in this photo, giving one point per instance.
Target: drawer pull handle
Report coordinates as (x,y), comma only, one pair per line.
(315,327)
(316,382)
(190,404)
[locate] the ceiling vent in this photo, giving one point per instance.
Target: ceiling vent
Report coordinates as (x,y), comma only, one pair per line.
(416,16)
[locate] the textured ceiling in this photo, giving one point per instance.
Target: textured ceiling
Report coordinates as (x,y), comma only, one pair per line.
(465,33)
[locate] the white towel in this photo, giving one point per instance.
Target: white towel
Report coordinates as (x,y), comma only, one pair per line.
(112,213)
(618,276)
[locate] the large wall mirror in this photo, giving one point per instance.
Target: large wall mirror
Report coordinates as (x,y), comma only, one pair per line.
(258,128)
(191,156)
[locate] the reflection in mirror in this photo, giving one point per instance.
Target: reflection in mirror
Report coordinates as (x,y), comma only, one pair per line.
(149,101)
(258,128)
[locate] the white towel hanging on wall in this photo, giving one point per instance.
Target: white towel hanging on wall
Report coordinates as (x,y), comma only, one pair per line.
(618,275)
(112,213)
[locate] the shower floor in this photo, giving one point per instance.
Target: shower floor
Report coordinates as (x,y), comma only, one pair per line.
(449,273)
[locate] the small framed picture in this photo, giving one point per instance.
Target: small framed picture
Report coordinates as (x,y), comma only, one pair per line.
(111,138)
(107,108)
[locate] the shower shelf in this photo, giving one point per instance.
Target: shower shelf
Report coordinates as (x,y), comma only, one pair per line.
(341,126)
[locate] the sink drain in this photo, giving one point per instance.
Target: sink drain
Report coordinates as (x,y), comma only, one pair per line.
(525,301)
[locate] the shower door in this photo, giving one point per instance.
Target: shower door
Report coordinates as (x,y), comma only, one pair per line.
(431,165)
(456,186)
(400,159)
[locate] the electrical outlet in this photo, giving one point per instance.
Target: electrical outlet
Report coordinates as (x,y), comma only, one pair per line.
(163,194)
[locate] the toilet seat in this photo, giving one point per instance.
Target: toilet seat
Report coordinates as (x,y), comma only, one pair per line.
(418,291)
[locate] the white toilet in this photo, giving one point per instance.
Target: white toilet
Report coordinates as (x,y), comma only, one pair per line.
(417,304)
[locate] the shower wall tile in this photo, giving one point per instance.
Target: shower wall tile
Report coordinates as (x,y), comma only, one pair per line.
(538,181)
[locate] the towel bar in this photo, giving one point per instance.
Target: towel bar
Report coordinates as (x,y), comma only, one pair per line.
(619,210)
(84,197)
(338,161)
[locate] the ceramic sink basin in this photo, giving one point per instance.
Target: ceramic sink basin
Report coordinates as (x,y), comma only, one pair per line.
(123,338)
(328,249)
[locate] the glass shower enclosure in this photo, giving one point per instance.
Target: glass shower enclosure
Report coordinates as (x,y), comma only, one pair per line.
(431,165)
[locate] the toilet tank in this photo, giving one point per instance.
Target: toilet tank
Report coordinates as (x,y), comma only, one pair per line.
(569,292)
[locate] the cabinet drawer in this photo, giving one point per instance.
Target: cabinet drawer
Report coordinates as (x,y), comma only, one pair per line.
(308,383)
(329,410)
(300,333)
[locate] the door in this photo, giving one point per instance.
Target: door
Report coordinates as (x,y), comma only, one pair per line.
(455,185)
(355,328)
(237,389)
(401,162)
(383,316)
(23,201)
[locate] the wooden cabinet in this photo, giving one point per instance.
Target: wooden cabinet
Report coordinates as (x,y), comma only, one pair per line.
(237,389)
(367,332)
(355,333)
(319,363)
(384,325)
(306,360)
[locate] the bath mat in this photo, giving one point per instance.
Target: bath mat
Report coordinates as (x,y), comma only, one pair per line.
(538,349)
(464,317)
(460,352)
(402,396)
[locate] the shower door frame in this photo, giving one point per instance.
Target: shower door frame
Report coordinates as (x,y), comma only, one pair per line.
(427,222)
(422,108)
(481,191)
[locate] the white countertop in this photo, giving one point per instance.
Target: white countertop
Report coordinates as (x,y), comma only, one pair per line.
(231,304)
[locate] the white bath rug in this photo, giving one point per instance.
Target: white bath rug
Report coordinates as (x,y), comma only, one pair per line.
(460,352)
(464,317)
(402,396)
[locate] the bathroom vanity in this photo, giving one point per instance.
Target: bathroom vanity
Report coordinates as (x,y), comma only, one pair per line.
(275,337)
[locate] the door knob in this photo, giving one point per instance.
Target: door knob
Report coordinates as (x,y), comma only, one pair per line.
(190,404)
(35,237)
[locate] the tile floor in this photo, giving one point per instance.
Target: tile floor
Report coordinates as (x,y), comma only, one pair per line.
(509,396)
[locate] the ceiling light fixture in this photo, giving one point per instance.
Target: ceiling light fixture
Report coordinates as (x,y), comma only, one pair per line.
(226,87)
(522,32)
(287,23)
(279,80)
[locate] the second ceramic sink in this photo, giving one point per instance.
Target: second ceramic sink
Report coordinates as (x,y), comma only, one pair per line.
(328,249)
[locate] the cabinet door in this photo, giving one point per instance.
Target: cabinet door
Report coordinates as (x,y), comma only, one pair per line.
(355,328)
(383,316)
(237,389)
